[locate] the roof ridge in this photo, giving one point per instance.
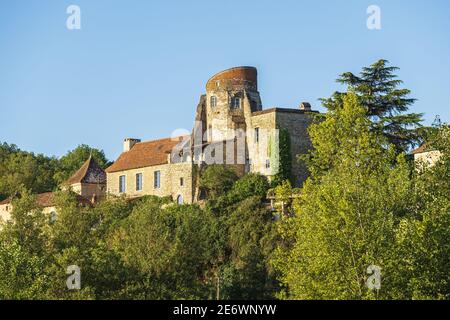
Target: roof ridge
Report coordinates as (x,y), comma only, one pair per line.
(161,139)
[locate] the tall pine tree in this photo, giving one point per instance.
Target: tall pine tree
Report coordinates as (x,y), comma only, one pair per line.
(377,88)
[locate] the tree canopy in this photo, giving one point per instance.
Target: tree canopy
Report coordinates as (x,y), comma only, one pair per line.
(386,105)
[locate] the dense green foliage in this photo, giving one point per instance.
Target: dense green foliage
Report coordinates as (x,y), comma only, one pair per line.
(363,206)
(38,173)
(20,169)
(385,104)
(284,158)
(147,248)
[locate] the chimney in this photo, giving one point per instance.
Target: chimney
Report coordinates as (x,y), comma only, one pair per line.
(128,143)
(305,106)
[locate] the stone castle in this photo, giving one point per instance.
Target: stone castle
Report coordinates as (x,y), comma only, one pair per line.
(231,127)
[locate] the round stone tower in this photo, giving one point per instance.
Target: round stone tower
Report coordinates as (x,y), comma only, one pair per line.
(231,96)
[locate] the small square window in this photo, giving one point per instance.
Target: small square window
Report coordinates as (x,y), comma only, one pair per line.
(267,164)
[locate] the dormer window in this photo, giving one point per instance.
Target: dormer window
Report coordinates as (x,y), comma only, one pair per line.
(236,102)
(213,101)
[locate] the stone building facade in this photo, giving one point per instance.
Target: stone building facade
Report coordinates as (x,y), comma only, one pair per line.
(230,128)
(425,157)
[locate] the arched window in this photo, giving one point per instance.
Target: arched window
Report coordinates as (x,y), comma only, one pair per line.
(180,199)
(213,101)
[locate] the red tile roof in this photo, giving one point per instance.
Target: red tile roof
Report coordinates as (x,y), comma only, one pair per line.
(421,149)
(6,201)
(145,154)
(46,199)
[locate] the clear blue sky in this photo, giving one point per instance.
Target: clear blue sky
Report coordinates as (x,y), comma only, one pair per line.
(137,68)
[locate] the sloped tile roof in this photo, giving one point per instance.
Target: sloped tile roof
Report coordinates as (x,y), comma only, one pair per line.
(421,149)
(6,201)
(145,154)
(90,172)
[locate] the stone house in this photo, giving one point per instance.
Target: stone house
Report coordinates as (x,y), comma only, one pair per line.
(89,183)
(424,156)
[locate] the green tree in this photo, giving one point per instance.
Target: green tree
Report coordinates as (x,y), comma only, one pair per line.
(22,274)
(346,216)
(377,88)
(24,247)
(217,179)
(19,169)
(244,238)
(250,241)
(422,250)
(81,237)
(166,250)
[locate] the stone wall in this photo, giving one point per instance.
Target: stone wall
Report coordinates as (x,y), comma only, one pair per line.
(6,209)
(224,118)
(5,212)
(88,190)
(296,122)
(260,152)
(170,185)
(427,159)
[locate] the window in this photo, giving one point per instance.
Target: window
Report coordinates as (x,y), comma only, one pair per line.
(213,101)
(181,181)
(157,179)
(256,135)
(139,182)
(121,184)
(180,199)
(236,102)
(267,164)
